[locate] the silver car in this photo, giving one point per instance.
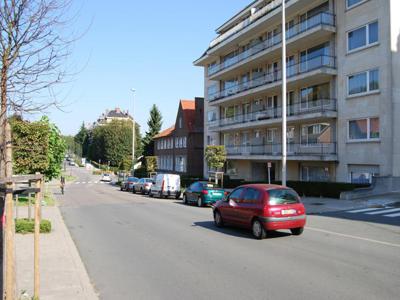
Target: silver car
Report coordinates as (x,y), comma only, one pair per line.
(143,186)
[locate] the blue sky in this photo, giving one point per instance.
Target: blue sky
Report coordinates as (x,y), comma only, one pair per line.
(146,45)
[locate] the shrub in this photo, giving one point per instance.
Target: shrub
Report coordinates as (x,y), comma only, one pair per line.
(305,188)
(28,226)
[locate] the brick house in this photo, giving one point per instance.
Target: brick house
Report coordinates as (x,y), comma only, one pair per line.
(180,148)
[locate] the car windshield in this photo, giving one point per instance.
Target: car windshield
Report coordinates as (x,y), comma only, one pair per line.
(208,185)
(149,180)
(283,196)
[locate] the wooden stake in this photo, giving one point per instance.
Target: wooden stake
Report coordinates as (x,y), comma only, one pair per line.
(38,197)
(10,224)
(29,206)
(16,206)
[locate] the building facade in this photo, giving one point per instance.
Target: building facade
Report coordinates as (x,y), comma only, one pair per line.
(343,83)
(179,149)
(115,114)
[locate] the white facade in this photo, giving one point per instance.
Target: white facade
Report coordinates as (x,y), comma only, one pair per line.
(343,68)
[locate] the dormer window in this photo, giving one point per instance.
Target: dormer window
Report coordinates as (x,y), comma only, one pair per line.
(180,122)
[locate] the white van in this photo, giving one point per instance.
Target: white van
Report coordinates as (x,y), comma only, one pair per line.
(166,185)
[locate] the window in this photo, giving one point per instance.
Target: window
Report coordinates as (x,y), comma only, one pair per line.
(283,196)
(235,195)
(211,116)
(364,82)
(315,133)
(176,143)
(364,129)
(184,142)
(251,196)
(311,173)
(352,3)
(362,37)
(180,163)
(180,122)
(314,96)
(212,92)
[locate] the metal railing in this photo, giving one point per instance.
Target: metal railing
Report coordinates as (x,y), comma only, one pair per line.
(298,108)
(275,76)
(275,149)
(323,18)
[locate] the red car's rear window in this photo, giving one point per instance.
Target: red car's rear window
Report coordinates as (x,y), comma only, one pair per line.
(283,196)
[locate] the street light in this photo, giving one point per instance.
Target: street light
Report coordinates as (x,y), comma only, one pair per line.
(284,154)
(133,131)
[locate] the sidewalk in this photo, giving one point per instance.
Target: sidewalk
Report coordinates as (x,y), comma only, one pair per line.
(315,205)
(63,275)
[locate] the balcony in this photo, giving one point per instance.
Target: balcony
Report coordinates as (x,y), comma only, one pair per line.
(269,79)
(316,109)
(321,19)
(316,151)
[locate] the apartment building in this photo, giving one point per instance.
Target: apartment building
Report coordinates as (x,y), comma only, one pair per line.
(179,149)
(343,83)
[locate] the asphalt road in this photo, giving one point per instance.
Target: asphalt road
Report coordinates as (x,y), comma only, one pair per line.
(136,247)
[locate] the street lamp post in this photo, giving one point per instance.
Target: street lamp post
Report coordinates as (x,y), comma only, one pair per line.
(133,132)
(284,154)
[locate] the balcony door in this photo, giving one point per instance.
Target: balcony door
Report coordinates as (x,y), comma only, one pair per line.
(246,112)
(290,140)
(314,57)
(246,143)
(272,106)
(290,103)
(272,141)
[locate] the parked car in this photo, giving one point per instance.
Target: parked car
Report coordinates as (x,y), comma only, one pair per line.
(261,208)
(127,185)
(72,163)
(203,193)
(106,177)
(166,185)
(143,185)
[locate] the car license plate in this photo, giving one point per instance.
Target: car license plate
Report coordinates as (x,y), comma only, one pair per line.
(288,211)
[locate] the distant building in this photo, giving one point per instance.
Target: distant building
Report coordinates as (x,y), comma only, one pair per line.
(179,149)
(115,114)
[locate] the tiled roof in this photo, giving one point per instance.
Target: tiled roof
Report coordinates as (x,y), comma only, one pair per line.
(165,132)
(189,107)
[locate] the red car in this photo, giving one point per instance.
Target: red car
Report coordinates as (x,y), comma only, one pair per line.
(261,208)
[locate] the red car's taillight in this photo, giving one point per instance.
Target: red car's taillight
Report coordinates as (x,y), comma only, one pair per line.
(204,192)
(226,193)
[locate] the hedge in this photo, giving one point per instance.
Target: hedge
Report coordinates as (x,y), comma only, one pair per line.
(28,226)
(305,188)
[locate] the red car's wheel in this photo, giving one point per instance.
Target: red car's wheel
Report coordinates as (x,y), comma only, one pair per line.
(258,230)
(297,231)
(218,219)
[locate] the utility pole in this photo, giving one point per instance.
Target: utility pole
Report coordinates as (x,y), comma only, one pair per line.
(284,154)
(133,132)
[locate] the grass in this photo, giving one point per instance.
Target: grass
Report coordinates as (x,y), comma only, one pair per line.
(68,177)
(25,226)
(48,200)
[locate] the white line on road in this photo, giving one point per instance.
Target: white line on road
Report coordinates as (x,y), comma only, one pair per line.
(77,182)
(89,182)
(362,210)
(393,215)
(384,211)
(96,182)
(354,237)
(83,182)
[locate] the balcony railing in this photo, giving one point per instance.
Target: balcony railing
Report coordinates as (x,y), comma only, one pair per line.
(276,75)
(323,18)
(273,149)
(299,108)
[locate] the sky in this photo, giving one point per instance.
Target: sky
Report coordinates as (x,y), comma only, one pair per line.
(146,45)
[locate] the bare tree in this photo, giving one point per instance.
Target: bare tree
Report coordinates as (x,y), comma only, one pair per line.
(33,50)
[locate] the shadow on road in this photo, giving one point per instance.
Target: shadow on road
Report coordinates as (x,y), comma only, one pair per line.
(237,232)
(378,219)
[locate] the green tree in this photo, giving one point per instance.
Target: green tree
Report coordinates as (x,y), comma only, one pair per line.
(112,143)
(30,146)
(38,147)
(151,164)
(82,138)
(56,151)
(215,157)
(154,123)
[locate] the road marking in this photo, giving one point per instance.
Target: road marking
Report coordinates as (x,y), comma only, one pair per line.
(393,215)
(89,182)
(362,210)
(354,237)
(383,211)
(96,182)
(83,182)
(77,182)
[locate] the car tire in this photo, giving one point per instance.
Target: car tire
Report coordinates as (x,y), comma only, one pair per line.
(297,231)
(184,199)
(150,194)
(178,195)
(218,219)
(258,230)
(160,195)
(200,202)
(141,191)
